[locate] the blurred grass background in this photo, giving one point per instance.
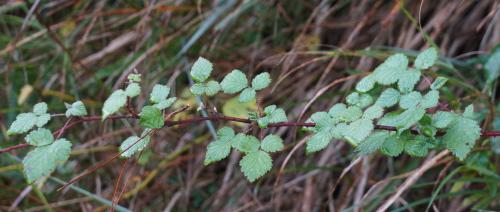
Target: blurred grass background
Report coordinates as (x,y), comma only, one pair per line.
(63,50)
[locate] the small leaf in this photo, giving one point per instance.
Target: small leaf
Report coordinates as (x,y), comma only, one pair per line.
(133,89)
(217,151)
(42,120)
(469,112)
(352,113)
(159,93)
(23,123)
(389,71)
(114,102)
(431,99)
(426,59)
(212,87)
(275,115)
(76,109)
(358,130)
(225,134)
(272,143)
(438,83)
(372,143)
(245,143)
(366,84)
(134,77)
(353,98)
(43,160)
(234,82)
(151,117)
(409,118)
(417,147)
(461,136)
(134,144)
(40,108)
(198,89)
(410,100)
(166,103)
(389,119)
(247,95)
(201,69)
(40,137)
(373,112)
(408,80)
(261,81)
(365,100)
(263,122)
(388,98)
(318,141)
(392,146)
(442,119)
(255,164)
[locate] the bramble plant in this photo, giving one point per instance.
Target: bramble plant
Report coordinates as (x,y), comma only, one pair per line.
(385,113)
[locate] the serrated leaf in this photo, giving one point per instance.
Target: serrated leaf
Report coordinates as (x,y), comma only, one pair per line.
(225,134)
(365,100)
(275,114)
(469,112)
(40,137)
(201,69)
(216,151)
(166,103)
(409,118)
(337,111)
(417,147)
(234,82)
(134,144)
(151,117)
(76,109)
(372,143)
(263,122)
(389,119)
(366,84)
(212,87)
(408,80)
(40,108)
(392,146)
(272,143)
(410,100)
(358,130)
(245,143)
(247,95)
(43,160)
(255,164)
(133,89)
(461,135)
(389,71)
(442,119)
(197,89)
(134,77)
(114,102)
(352,98)
(23,123)
(438,83)
(373,112)
(426,59)
(318,141)
(352,113)
(43,119)
(388,98)
(261,81)
(159,93)
(431,99)
(322,120)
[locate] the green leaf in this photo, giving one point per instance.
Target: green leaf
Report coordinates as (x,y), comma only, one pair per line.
(40,108)
(263,122)
(255,164)
(352,113)
(134,77)
(442,119)
(410,100)
(247,95)
(426,59)
(23,123)
(337,111)
(461,135)
(151,117)
(431,99)
(358,130)
(408,80)
(275,114)
(134,144)
(366,84)
(76,109)
(372,143)
(388,98)
(225,134)
(114,102)
(409,118)
(43,160)
(492,66)
(198,89)
(469,112)
(133,89)
(352,98)
(43,119)
(201,69)
(392,146)
(318,141)
(40,137)
(212,87)
(322,120)
(261,81)
(438,83)
(373,112)
(166,103)
(234,82)
(365,100)
(389,71)
(245,143)
(217,151)
(159,93)
(272,143)
(417,147)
